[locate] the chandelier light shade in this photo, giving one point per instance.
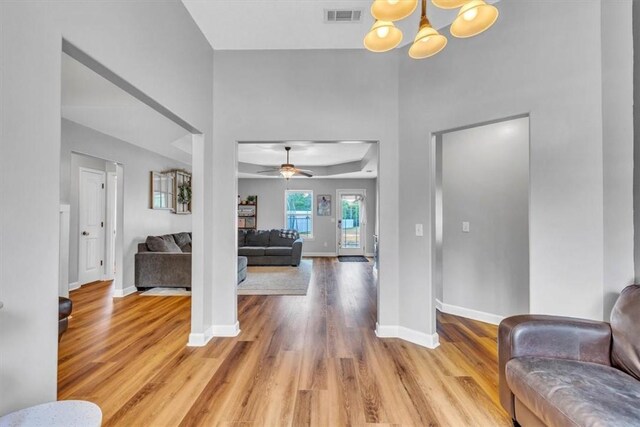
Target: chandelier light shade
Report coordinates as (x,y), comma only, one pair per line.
(473,18)
(392,10)
(449,4)
(428,41)
(382,37)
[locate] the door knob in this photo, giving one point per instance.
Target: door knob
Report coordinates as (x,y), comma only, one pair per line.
(85,233)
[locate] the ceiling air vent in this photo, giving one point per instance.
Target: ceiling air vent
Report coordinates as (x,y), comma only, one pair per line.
(342,15)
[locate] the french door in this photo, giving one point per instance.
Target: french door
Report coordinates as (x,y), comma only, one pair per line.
(351,222)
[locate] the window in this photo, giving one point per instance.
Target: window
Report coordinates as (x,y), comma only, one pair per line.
(298,212)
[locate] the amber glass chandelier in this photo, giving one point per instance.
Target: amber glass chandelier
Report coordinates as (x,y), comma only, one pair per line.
(474,17)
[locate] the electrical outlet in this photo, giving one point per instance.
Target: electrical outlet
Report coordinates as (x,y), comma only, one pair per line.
(419,230)
(465,227)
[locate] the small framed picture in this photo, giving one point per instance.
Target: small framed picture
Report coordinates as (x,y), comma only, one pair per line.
(241,222)
(324,205)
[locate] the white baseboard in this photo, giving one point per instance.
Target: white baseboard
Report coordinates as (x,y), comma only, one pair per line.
(481,316)
(201,339)
(73,286)
(329,254)
(226,330)
(120,293)
(411,335)
(319,254)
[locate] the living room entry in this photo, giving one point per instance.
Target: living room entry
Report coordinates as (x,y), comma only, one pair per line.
(302,200)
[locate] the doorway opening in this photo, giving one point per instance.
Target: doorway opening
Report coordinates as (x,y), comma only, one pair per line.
(332,205)
(482,220)
(108,125)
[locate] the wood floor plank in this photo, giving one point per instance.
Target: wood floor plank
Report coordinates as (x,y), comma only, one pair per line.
(309,360)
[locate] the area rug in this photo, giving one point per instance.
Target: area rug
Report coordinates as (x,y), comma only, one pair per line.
(277,280)
(352,259)
(166,292)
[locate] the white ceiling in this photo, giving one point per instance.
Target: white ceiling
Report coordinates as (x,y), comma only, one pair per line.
(94,102)
(339,159)
(294,24)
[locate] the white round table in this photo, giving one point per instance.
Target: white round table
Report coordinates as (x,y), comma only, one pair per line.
(63,413)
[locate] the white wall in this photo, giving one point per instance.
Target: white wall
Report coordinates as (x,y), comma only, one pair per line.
(485,181)
(310,95)
(139,220)
(270,194)
(537,59)
(157,48)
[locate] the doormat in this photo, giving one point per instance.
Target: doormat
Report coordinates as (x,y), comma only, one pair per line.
(166,292)
(352,259)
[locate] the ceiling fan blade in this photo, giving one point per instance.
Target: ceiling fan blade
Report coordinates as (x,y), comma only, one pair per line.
(304,173)
(269,171)
(305,170)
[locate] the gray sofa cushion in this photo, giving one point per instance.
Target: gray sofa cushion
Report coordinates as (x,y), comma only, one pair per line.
(162,244)
(276,240)
(257,238)
(569,392)
(186,248)
(241,238)
(251,251)
(278,251)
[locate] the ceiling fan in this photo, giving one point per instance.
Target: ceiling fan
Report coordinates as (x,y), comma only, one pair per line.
(287,170)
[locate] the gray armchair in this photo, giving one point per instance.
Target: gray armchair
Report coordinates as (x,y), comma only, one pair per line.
(557,371)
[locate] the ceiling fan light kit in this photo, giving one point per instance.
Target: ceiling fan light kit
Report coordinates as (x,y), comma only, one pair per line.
(474,17)
(288,170)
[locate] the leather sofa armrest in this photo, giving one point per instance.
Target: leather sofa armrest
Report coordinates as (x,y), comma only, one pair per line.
(553,337)
(296,252)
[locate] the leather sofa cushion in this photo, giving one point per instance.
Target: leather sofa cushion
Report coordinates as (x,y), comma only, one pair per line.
(278,251)
(164,243)
(257,238)
(573,393)
(625,318)
(276,240)
(64,307)
(251,251)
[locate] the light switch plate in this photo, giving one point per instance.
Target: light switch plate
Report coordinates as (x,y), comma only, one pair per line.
(465,227)
(419,230)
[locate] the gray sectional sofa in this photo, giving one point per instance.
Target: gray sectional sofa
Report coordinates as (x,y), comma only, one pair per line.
(269,247)
(164,261)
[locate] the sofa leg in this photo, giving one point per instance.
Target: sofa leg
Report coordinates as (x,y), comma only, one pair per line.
(515,423)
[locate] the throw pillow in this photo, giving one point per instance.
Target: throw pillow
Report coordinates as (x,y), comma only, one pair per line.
(186,248)
(161,244)
(182,239)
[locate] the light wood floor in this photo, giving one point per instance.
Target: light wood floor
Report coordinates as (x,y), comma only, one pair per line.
(300,360)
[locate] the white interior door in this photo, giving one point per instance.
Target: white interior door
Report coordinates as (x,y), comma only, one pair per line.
(91,216)
(111,225)
(351,221)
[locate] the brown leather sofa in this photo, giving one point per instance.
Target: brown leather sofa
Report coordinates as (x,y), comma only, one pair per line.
(559,371)
(64,311)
